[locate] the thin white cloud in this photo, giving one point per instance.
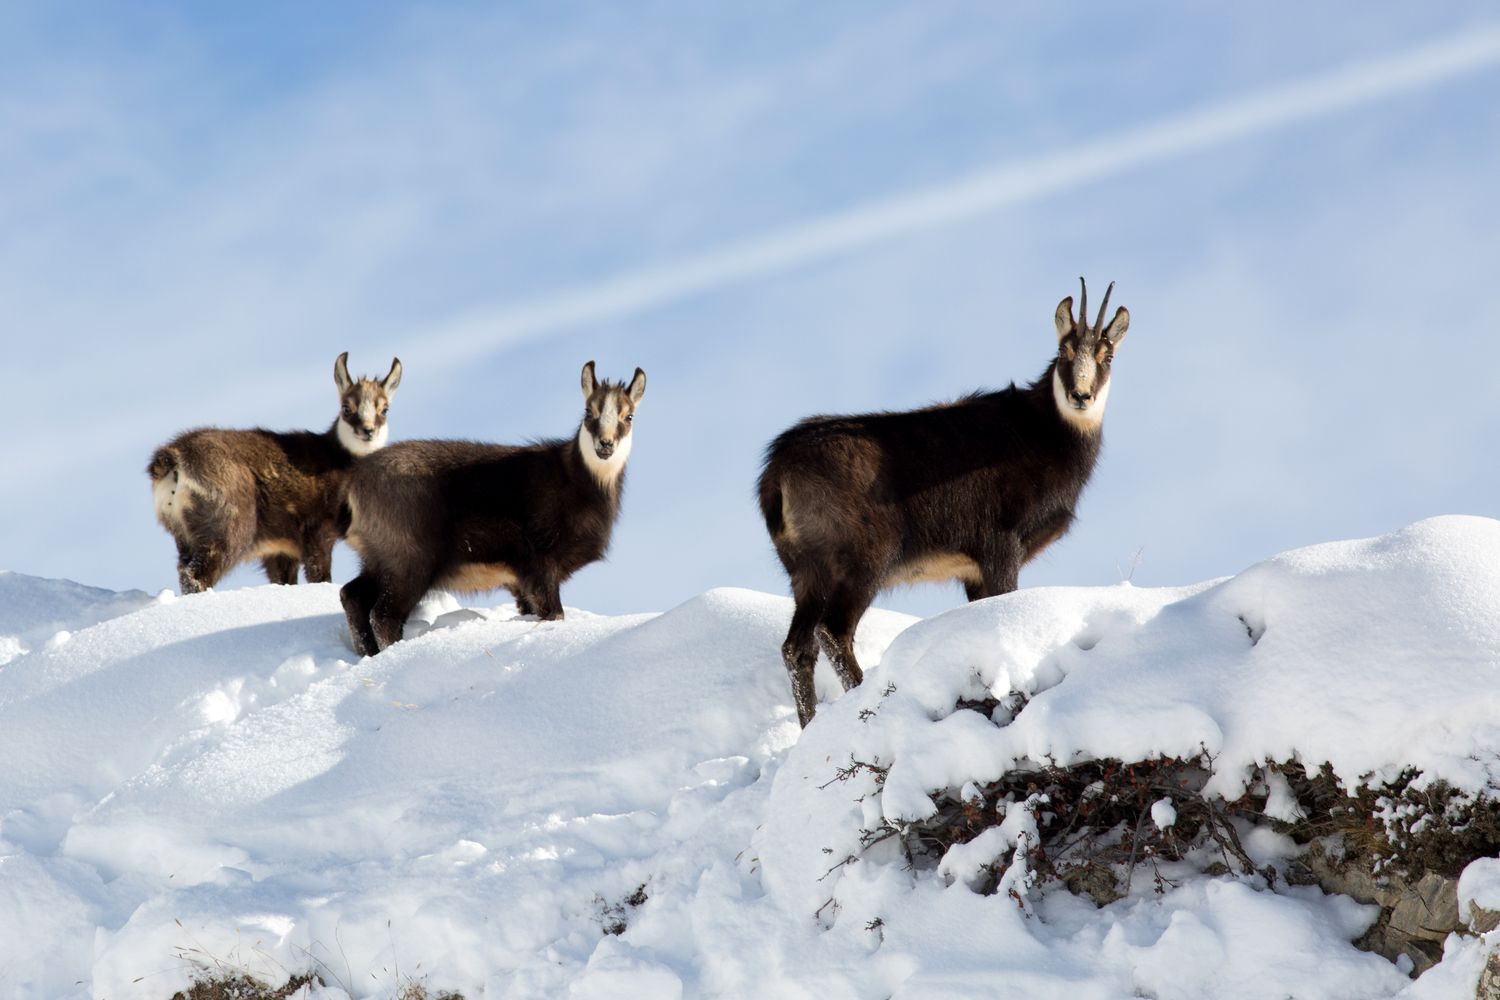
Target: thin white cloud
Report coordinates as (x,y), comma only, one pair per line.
(482,330)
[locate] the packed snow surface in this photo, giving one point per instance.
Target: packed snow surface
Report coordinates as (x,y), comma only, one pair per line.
(624,807)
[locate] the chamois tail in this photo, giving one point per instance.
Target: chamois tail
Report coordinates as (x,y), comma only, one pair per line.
(163,464)
(771,502)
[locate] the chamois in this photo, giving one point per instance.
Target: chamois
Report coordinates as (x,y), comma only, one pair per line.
(227,496)
(468,517)
(969,490)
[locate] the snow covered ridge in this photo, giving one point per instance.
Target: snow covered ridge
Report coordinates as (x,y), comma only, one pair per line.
(34,610)
(622,807)
(1373,657)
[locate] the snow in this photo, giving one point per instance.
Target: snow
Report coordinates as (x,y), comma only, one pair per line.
(34,611)
(623,806)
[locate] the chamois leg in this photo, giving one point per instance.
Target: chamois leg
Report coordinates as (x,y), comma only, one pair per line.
(317,555)
(543,595)
(800,654)
(280,569)
(185,582)
(393,605)
(216,538)
(836,633)
(524,604)
(203,564)
(358,598)
(999,569)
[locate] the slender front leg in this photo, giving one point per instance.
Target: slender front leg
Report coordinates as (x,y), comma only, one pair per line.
(545,596)
(999,568)
(317,553)
(524,604)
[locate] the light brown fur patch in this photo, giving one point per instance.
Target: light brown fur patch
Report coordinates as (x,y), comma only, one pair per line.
(476,578)
(276,547)
(936,568)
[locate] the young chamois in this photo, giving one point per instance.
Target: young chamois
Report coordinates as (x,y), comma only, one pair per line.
(969,490)
(471,517)
(230,496)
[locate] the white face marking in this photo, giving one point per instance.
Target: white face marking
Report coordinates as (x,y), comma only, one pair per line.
(606,470)
(609,419)
(355,445)
(1084,370)
(1087,419)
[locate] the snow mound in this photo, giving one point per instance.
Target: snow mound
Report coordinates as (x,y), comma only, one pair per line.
(624,806)
(34,610)
(217,781)
(1369,656)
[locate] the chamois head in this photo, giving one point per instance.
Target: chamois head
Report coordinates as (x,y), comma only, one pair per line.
(608,413)
(363,405)
(1080,379)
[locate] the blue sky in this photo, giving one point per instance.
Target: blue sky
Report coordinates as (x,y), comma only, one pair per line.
(201,206)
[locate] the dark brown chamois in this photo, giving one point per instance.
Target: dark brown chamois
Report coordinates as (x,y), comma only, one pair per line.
(470,517)
(969,490)
(229,496)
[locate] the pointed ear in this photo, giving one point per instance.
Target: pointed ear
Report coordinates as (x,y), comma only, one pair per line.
(341,373)
(1064,317)
(637,387)
(1115,332)
(587,380)
(392,378)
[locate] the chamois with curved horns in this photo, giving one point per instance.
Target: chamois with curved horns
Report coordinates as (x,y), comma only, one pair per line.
(469,517)
(969,490)
(228,496)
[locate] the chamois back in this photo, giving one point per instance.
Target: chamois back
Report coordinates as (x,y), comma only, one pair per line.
(969,490)
(228,496)
(469,516)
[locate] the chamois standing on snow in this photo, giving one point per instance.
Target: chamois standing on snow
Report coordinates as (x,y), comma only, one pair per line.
(227,496)
(471,517)
(969,490)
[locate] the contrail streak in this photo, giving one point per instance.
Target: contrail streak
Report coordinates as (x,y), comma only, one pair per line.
(487,329)
(477,332)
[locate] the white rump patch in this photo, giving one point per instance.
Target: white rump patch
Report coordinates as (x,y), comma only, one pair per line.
(355,445)
(1087,419)
(168,496)
(606,470)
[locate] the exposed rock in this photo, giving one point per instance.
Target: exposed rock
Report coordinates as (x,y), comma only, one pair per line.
(1489,979)
(1416,915)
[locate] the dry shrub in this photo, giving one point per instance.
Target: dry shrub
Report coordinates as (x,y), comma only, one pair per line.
(1096,833)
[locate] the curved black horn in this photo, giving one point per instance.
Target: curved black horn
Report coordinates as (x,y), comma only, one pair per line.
(1099,323)
(1083,307)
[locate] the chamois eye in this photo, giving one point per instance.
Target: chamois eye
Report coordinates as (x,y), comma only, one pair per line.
(630,418)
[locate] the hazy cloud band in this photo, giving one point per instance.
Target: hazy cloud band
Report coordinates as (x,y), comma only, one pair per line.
(491,328)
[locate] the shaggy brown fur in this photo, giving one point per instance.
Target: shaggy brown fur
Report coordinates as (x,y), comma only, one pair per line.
(471,517)
(969,490)
(227,496)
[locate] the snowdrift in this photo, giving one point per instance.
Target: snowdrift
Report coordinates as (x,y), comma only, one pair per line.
(622,807)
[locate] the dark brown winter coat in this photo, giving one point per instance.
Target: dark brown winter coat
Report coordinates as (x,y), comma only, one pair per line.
(969,491)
